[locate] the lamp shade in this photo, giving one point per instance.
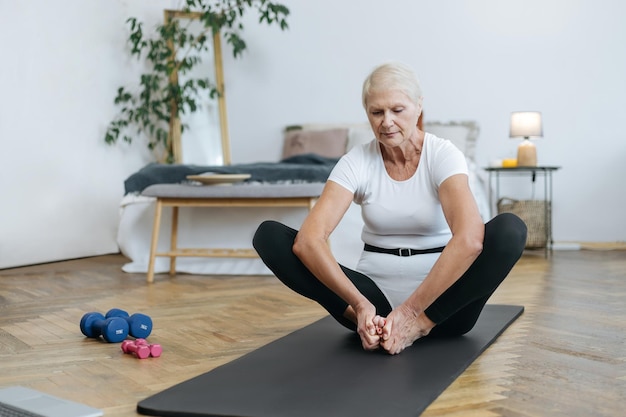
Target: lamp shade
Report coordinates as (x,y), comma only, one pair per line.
(526,124)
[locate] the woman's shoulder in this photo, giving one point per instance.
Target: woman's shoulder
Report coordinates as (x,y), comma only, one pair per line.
(434,139)
(437,145)
(363,153)
(359,161)
(443,158)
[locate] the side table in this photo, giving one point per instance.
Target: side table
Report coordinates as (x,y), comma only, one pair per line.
(546,172)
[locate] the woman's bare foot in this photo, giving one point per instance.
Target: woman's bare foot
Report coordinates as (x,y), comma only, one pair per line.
(379,322)
(403,327)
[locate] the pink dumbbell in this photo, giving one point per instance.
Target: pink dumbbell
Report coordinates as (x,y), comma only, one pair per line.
(141,349)
(155,348)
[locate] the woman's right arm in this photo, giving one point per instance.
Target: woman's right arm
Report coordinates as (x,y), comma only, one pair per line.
(311,247)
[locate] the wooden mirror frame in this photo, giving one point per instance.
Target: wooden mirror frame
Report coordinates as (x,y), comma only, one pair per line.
(175,128)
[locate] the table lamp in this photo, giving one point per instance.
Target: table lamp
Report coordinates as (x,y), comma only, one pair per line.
(527,125)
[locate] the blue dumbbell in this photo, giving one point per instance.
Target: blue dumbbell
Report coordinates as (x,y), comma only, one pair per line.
(139,325)
(113,330)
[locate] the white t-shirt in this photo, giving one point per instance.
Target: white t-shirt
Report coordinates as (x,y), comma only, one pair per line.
(400,214)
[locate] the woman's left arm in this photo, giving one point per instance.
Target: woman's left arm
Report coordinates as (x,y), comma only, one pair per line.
(408,322)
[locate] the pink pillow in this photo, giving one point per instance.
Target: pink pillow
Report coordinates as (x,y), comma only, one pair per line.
(330,143)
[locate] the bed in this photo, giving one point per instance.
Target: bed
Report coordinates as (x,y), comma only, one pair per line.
(308,155)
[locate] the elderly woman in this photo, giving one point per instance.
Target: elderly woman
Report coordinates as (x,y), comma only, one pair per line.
(429,263)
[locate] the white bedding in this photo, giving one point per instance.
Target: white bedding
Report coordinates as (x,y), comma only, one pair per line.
(234,227)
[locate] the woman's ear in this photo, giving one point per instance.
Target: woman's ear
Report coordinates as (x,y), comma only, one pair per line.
(420,117)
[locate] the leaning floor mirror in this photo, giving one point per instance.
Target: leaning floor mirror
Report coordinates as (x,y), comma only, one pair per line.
(199,137)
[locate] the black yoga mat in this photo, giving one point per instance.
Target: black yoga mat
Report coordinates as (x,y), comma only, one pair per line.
(321,370)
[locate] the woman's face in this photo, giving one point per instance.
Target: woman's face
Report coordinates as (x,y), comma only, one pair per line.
(392,115)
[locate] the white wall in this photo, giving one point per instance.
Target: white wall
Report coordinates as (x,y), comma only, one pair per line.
(62,62)
(477,59)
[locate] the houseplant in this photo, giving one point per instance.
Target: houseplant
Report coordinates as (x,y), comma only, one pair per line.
(172,50)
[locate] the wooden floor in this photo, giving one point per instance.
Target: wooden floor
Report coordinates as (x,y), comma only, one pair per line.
(566,356)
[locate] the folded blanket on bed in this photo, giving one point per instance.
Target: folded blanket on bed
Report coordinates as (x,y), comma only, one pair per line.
(299,168)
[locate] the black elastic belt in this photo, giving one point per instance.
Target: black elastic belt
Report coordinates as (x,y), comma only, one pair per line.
(402,251)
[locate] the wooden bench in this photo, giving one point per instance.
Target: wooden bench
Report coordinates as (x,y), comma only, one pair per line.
(239,195)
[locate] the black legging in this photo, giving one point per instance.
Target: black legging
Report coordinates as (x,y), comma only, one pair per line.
(455,312)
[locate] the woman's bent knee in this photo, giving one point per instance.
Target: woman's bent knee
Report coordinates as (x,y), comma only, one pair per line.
(507,232)
(264,230)
(272,237)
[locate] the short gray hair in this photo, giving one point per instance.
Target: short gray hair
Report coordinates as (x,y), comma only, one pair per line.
(393,76)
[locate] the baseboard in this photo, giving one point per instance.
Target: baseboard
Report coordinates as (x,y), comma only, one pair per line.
(589,246)
(566,246)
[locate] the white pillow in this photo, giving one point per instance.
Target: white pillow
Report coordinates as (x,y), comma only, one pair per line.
(463,134)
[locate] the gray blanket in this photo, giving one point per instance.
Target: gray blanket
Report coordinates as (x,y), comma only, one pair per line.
(300,168)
